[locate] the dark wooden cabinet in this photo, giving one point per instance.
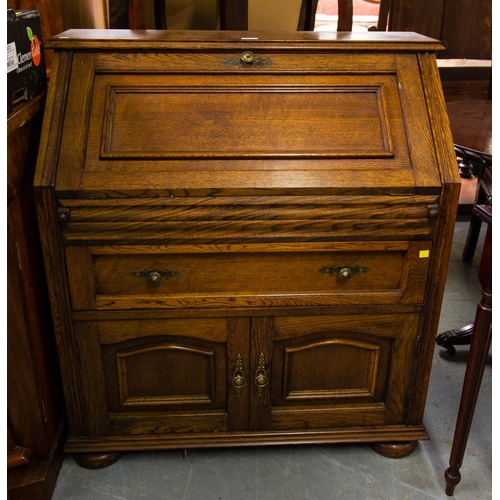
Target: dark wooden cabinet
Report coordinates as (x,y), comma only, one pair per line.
(246,236)
(35,410)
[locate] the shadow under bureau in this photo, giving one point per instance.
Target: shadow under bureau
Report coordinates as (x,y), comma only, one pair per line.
(246,236)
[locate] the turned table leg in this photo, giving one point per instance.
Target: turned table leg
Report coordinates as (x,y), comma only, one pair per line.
(480,345)
(96,460)
(481,340)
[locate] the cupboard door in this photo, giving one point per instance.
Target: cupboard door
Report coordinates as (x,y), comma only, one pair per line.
(150,376)
(332,371)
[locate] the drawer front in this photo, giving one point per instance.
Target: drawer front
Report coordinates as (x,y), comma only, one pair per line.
(140,277)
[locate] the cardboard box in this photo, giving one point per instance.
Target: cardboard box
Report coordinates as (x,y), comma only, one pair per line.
(26,75)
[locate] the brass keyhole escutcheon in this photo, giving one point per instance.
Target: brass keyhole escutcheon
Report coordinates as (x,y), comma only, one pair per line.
(248,57)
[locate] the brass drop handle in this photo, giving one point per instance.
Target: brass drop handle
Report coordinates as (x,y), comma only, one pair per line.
(261,379)
(345,273)
(239,377)
(153,278)
(248,57)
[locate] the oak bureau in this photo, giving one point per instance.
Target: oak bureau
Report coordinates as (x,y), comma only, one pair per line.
(246,236)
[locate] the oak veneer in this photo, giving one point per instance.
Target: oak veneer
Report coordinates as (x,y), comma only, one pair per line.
(246,236)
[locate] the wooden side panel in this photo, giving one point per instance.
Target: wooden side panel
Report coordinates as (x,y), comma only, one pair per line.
(53,254)
(81,277)
(73,143)
(46,168)
(91,379)
(417,122)
(438,265)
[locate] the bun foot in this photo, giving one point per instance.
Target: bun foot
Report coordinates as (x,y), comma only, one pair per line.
(394,450)
(96,460)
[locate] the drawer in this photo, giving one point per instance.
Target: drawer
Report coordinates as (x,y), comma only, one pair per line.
(259,275)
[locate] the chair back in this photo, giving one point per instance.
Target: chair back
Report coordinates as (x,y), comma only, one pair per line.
(233,14)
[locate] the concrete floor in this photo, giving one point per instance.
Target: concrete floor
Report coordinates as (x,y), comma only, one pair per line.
(327,471)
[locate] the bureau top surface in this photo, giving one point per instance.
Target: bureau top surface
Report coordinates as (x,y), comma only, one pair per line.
(109,40)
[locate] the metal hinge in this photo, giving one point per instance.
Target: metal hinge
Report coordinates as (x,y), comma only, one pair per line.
(63,214)
(432,210)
